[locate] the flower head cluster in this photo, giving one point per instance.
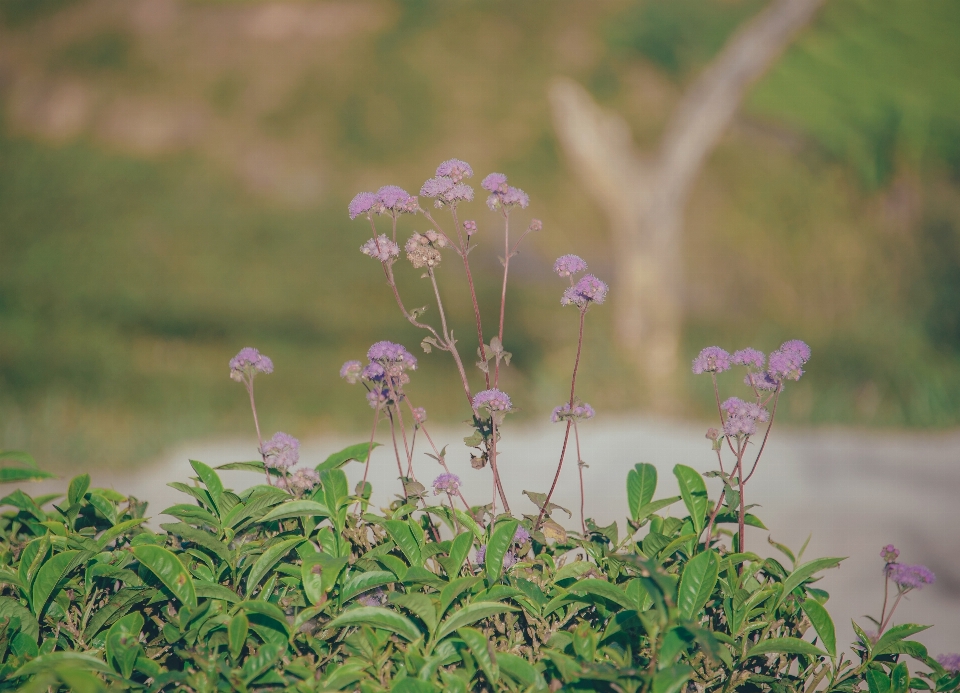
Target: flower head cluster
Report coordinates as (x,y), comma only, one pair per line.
(470,227)
(711,360)
(393,358)
(390,199)
(742,417)
(950,662)
(581,411)
(247,363)
(786,363)
(300,482)
(455,169)
(587,291)
(381,248)
(503,195)
(350,371)
(909,577)
(492,400)
(520,537)
(423,249)
(362,203)
(749,357)
(447,187)
(282,451)
(446,483)
(569,265)
(889,553)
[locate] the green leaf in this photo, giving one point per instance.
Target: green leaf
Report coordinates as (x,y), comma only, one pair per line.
(201,538)
(356,452)
(693,490)
(24,458)
(804,572)
(602,588)
(454,589)
(12,474)
(11,608)
(22,501)
(268,609)
(697,581)
(261,660)
(252,466)
(49,662)
(211,590)
(650,508)
(900,678)
(471,613)
(894,635)
(420,605)
(822,623)
(107,508)
(297,508)
(469,523)
(734,518)
(459,549)
(237,631)
(193,514)
(377,617)
(482,651)
(671,679)
(48,577)
(641,485)
(116,606)
(77,488)
(359,582)
(785,646)
(521,671)
(501,540)
(169,571)
(122,644)
(268,560)
(402,534)
(211,480)
(877,681)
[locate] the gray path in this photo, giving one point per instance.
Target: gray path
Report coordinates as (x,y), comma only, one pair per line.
(853,491)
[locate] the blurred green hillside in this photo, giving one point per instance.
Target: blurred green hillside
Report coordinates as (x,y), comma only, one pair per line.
(174,179)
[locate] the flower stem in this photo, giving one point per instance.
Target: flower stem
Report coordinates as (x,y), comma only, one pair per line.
(576,438)
(503,291)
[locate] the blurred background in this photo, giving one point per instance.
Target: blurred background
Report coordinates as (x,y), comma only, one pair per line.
(174,176)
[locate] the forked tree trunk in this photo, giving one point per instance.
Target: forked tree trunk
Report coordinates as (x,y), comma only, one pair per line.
(644,195)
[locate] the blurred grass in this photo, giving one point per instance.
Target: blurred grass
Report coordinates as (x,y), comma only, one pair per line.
(830,213)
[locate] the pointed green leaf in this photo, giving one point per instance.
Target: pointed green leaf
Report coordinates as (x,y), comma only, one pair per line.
(11,608)
(297,508)
(77,488)
(420,605)
(693,490)
(356,452)
(12,474)
(471,613)
(671,679)
(169,571)
(267,560)
(501,541)
(454,589)
(804,572)
(122,645)
(785,646)
(48,577)
(602,588)
(211,480)
(377,617)
(822,623)
(482,651)
(237,631)
(697,581)
(641,485)
(359,582)
(894,635)
(401,533)
(201,538)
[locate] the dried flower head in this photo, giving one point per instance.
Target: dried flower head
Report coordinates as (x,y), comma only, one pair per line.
(588,290)
(302,481)
(423,249)
(446,483)
(455,169)
(247,363)
(909,577)
(749,357)
(711,360)
(889,553)
(282,451)
(381,248)
(568,265)
(362,203)
(395,200)
(581,411)
(492,400)
(350,371)
(419,416)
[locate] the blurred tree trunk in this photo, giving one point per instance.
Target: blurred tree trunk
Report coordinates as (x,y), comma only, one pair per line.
(644,195)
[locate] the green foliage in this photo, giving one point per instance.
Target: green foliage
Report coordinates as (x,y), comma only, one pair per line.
(258,590)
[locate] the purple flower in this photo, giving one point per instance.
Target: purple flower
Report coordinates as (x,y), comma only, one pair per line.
(455,169)
(909,577)
(950,662)
(568,265)
(586,291)
(461,192)
(419,415)
(798,348)
(361,203)
(377,397)
(509,558)
(481,554)
(535,225)
(495,182)
(711,360)
(373,372)
(381,248)
(301,481)
(446,483)
(247,363)
(749,357)
(761,381)
(515,196)
(470,227)
(889,553)
(581,412)
(435,187)
(493,400)
(282,451)
(394,199)
(350,371)
(742,417)
(390,353)
(521,536)
(784,365)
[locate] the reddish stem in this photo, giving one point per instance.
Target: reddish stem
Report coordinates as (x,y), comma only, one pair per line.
(503,291)
(576,438)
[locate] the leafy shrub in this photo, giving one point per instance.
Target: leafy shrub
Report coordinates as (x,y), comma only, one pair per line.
(294,584)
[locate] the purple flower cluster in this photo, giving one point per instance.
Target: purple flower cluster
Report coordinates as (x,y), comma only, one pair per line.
(752,358)
(503,195)
(742,417)
(350,371)
(470,227)
(950,662)
(890,553)
(493,400)
(568,265)
(586,291)
(381,248)
(388,199)
(909,577)
(447,186)
(712,359)
(300,482)
(392,357)
(446,483)
(786,363)
(247,363)
(455,169)
(581,411)
(282,451)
